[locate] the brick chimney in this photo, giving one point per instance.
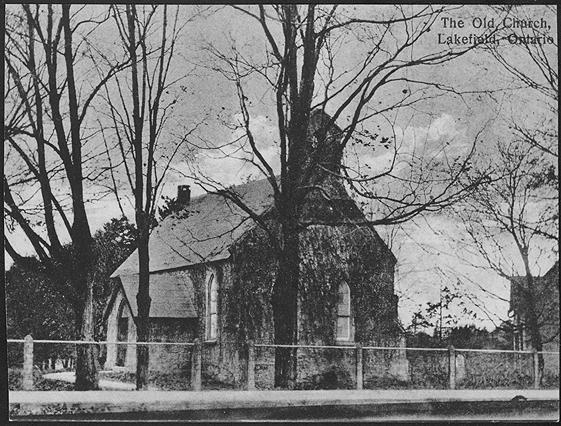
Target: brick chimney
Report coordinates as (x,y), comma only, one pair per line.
(183,194)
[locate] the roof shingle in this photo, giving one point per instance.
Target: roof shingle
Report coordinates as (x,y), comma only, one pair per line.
(172,295)
(202,232)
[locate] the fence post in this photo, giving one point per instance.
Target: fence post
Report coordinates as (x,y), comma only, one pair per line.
(250,365)
(196,365)
(536,369)
(452,366)
(359,366)
(28,363)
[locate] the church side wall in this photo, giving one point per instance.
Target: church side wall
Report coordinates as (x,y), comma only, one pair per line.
(352,254)
(220,356)
(330,254)
(130,360)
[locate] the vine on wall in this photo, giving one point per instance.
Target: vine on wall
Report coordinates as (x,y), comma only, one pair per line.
(348,253)
(253,271)
(329,255)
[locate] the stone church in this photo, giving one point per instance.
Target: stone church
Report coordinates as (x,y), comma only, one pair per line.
(212,271)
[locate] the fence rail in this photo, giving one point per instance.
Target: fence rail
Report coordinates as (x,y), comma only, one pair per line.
(104,342)
(262,345)
(452,363)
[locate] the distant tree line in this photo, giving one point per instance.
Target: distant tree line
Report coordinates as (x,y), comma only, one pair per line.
(463,337)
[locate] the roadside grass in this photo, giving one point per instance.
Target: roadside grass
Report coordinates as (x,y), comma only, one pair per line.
(550,380)
(166,381)
(15,381)
(160,381)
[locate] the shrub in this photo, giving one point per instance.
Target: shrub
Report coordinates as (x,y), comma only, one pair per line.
(550,380)
(428,370)
(332,378)
(484,371)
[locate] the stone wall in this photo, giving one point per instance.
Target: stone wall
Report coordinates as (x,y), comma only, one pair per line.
(331,368)
(224,363)
(326,368)
(428,369)
(171,358)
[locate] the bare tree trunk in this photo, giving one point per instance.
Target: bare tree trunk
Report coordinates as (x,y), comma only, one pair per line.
(142,220)
(532,321)
(143,302)
(87,376)
(285,312)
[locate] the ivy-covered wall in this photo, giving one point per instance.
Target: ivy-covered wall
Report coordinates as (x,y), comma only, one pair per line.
(353,254)
(253,269)
(330,254)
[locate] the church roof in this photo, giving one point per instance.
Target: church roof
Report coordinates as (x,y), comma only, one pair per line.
(203,231)
(171,295)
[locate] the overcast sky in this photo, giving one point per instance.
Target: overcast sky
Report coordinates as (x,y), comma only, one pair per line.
(424,250)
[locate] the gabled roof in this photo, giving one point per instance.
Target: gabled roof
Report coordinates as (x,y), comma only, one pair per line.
(202,232)
(171,296)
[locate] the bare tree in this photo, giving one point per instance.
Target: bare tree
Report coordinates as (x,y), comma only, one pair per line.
(508,221)
(534,66)
(539,70)
(46,135)
(140,109)
(302,71)
(514,218)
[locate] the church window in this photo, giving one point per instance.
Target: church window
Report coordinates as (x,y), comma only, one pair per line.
(212,309)
(344,312)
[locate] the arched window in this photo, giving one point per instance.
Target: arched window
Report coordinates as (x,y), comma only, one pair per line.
(212,308)
(344,312)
